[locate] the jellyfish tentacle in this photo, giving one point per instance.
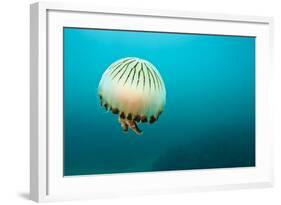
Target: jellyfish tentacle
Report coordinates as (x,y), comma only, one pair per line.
(126,124)
(133,125)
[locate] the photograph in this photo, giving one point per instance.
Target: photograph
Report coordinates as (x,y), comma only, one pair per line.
(151,101)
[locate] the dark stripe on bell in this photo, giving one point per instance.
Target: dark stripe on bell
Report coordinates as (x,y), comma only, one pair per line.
(143,118)
(152,119)
(137,118)
(122,115)
(129,117)
(115,111)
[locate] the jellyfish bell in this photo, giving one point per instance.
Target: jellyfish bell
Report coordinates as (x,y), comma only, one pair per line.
(134,89)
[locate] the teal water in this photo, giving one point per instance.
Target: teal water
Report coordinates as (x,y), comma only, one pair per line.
(209,118)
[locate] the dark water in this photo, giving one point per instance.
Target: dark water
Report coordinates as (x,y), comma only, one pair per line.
(209,118)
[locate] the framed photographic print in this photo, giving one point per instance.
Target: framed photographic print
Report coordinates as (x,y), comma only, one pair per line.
(129,101)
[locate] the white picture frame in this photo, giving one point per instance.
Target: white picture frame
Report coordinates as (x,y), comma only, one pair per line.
(46,179)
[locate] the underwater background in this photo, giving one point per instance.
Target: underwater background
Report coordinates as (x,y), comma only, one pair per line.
(208,120)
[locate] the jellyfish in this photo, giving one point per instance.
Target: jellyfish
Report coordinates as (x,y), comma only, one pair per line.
(133,89)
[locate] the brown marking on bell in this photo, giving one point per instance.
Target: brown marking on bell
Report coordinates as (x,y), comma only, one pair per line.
(129,117)
(124,125)
(143,118)
(158,114)
(137,118)
(100,97)
(115,110)
(106,106)
(152,119)
(122,115)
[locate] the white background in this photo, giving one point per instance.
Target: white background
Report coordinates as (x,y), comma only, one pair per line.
(14,102)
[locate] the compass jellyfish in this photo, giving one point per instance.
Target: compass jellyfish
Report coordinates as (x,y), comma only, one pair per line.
(133,89)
